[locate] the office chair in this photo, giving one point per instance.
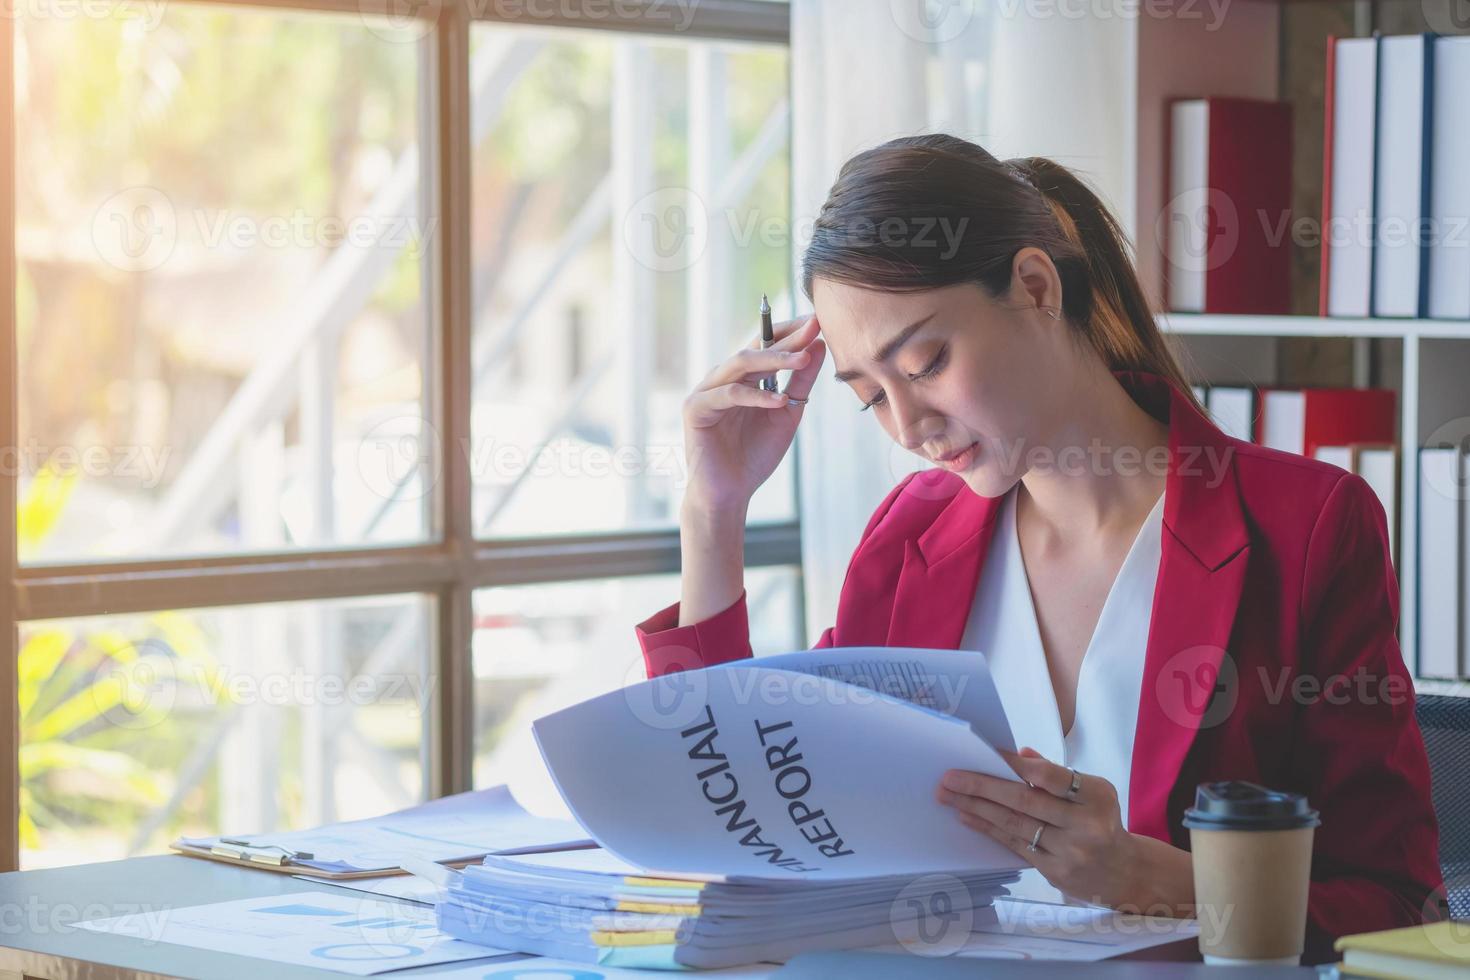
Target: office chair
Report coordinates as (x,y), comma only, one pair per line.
(1445,722)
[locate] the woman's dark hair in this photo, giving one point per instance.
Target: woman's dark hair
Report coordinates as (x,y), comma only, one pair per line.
(922,212)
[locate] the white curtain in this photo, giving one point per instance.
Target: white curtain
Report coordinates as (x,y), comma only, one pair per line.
(1019,77)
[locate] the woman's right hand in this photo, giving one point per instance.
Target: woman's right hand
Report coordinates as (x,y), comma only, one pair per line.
(735,434)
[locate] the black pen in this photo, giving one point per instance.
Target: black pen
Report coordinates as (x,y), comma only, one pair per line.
(768,337)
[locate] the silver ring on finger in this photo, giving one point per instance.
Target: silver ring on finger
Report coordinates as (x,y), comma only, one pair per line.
(1036,838)
(1076,786)
(795,401)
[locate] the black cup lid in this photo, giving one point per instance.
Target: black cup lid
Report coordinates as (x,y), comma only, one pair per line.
(1245,806)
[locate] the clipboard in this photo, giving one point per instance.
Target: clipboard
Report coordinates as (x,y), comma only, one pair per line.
(453,831)
(257,861)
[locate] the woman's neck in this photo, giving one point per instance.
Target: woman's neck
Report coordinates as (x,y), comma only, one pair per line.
(1109,461)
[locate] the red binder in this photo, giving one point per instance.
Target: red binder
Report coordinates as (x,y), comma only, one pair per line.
(1249,168)
(1330,416)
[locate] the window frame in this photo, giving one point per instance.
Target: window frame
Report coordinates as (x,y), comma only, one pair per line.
(454,562)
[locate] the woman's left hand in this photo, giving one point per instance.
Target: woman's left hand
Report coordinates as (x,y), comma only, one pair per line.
(1084,849)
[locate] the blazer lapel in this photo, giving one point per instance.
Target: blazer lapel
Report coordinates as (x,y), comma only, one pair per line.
(1188,681)
(940,571)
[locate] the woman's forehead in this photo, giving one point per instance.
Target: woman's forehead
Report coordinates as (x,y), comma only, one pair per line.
(859,321)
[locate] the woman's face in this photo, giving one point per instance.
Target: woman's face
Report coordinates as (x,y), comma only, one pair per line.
(964,381)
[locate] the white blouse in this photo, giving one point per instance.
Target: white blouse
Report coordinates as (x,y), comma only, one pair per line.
(1002,624)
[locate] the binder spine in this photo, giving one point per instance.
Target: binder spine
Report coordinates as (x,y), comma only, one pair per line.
(1373,191)
(1328,101)
(1427,233)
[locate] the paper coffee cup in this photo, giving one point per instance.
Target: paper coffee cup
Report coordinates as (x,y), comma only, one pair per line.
(1252,854)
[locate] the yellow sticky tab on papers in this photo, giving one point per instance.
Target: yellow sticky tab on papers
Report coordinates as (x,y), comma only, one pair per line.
(658,937)
(690,910)
(692,886)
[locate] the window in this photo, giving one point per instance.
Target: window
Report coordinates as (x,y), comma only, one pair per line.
(347,360)
(623,191)
(222,302)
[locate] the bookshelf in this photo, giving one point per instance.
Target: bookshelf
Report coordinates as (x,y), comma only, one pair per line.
(1276,50)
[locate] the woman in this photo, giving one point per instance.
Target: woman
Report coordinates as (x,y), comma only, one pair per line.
(1161,604)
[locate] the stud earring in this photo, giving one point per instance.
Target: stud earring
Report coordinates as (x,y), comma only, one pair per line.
(1049,312)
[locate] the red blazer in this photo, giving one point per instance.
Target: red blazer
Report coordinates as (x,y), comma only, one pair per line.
(1271,657)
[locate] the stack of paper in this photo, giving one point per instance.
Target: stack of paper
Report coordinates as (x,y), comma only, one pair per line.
(754,811)
(591,907)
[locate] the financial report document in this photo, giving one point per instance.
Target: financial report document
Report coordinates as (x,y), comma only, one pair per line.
(816,765)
